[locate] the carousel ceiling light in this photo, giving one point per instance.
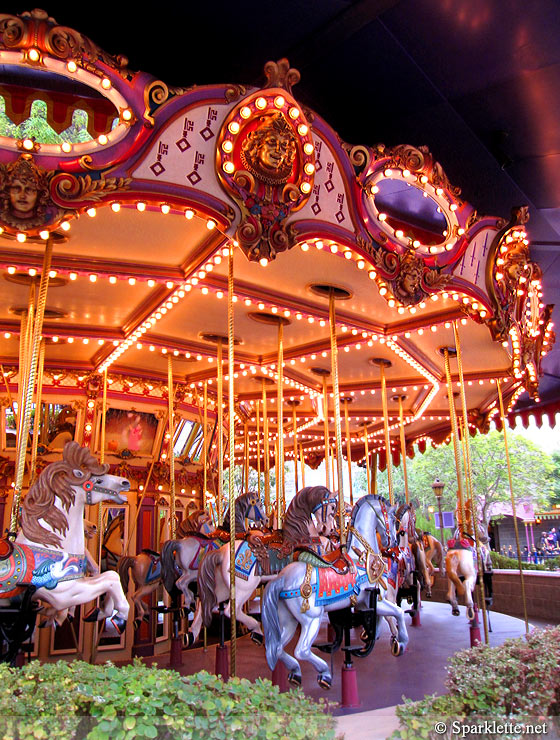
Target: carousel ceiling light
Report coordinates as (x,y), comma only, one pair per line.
(424,179)
(116,207)
(263,262)
(71,66)
(131,281)
(372,275)
(102,139)
(460,232)
(127,114)
(106,83)
(21,237)
(44,234)
(453,207)
(308,148)
(28,144)
(66,147)
(189,214)
(293,112)
(165,208)
(382,216)
(260,103)
(228,167)
(305,187)
(70,340)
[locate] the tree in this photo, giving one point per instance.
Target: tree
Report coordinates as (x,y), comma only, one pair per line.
(555,479)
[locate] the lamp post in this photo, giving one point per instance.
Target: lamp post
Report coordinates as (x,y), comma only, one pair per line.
(437,488)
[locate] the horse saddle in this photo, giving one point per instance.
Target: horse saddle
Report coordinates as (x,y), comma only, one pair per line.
(465,543)
(6,548)
(338,560)
(220,534)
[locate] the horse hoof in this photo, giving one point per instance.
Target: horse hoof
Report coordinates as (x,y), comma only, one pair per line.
(146,618)
(43,624)
(118,623)
(455,611)
(188,639)
(184,612)
(364,636)
(470,613)
(93,615)
(257,638)
(137,622)
(397,647)
(294,678)
(324,681)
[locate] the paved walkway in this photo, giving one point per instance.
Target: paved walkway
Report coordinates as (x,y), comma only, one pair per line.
(383,680)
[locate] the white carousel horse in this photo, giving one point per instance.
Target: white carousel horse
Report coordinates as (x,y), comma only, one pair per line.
(461,562)
(302,593)
(49,552)
(298,529)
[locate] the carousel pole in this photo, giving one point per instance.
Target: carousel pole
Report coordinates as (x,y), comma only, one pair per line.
(326,430)
(231,401)
(37,422)
(348,450)
(337,425)
(266,452)
(374,473)
(27,391)
(403,446)
(26,332)
(246,460)
(205,443)
(294,422)
(171,420)
(467,463)
(258,449)
(454,431)
(521,577)
(280,425)
(9,394)
(220,382)
(366,448)
(389,460)
(302,463)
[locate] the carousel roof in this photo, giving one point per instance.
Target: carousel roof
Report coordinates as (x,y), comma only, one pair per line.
(132,285)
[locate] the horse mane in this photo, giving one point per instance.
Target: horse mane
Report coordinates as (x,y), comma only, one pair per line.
(362,501)
(298,516)
(190,524)
(56,481)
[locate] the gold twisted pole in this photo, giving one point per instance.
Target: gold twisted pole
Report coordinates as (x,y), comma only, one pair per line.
(280,411)
(302,460)
(220,383)
(258,448)
(337,425)
(374,474)
(366,449)
(102,460)
(246,452)
(403,447)
(37,422)
(326,431)
(521,577)
(455,435)
(27,396)
(26,333)
(348,450)
(171,420)
(231,470)
(294,420)
(205,444)
(266,451)
(468,477)
(389,459)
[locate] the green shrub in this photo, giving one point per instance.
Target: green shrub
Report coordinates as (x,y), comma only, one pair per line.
(502,561)
(518,679)
(60,701)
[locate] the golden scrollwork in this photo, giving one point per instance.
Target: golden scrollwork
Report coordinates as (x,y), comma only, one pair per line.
(280,74)
(410,279)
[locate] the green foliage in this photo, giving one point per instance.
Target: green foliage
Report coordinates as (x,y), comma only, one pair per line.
(60,701)
(502,561)
(37,127)
(555,478)
(519,680)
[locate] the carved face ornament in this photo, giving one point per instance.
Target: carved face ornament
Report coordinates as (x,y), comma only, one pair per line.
(269,150)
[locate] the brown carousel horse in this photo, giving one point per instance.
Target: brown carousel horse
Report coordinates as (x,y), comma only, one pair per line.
(433,552)
(146,569)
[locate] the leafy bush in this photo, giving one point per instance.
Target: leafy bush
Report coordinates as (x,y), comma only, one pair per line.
(62,701)
(519,679)
(502,561)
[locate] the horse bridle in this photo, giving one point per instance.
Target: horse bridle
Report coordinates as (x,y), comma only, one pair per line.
(323,505)
(89,486)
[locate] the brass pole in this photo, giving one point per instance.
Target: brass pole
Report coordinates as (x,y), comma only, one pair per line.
(171,421)
(389,460)
(37,423)
(231,470)
(326,431)
(25,414)
(220,382)
(302,460)
(266,452)
(366,448)
(453,419)
(374,473)
(246,451)
(258,449)
(10,399)
(337,425)
(280,412)
(403,447)
(205,444)
(294,416)
(348,450)
(521,577)
(26,333)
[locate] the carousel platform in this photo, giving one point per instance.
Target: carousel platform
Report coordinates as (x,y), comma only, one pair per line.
(383,680)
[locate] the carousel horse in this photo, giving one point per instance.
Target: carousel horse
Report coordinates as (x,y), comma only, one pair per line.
(47,561)
(461,562)
(260,557)
(113,542)
(303,592)
(433,552)
(402,566)
(146,567)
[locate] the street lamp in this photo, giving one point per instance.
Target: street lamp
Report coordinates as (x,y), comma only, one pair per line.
(437,488)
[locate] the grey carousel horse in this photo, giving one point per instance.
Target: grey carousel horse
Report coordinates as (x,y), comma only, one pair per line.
(300,595)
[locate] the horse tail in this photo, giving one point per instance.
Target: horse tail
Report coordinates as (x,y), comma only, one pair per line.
(439,550)
(168,564)
(271,621)
(123,567)
(451,563)
(207,585)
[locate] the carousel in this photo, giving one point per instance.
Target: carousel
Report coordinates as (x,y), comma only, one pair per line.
(206,296)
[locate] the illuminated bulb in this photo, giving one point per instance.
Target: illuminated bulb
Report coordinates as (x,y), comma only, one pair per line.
(106,83)
(293,112)
(334,248)
(382,217)
(360,264)
(44,234)
(399,234)
(308,148)
(28,144)
(93,278)
(70,340)
(113,279)
(66,146)
(260,103)
(302,129)
(424,179)
(102,139)
(453,207)
(65,225)
(165,208)
(34,55)
(21,237)
(305,187)
(388,172)
(263,262)
(127,114)
(309,168)
(52,274)
(210,224)
(11,270)
(304,247)
(116,207)
(228,167)
(131,281)
(73,276)
(71,66)
(279,101)
(372,275)
(189,214)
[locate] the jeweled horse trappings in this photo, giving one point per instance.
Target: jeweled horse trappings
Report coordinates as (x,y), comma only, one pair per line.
(48,555)
(259,558)
(302,593)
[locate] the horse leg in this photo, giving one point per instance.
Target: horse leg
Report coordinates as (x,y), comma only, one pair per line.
(452,598)
(288,626)
(183,583)
(310,624)
(194,632)
(470,584)
(399,642)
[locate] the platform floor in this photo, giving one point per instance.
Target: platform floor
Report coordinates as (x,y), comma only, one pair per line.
(383,680)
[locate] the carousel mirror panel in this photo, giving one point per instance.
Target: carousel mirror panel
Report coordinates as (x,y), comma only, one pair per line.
(113,544)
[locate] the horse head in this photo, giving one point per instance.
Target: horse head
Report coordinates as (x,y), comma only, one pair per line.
(309,504)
